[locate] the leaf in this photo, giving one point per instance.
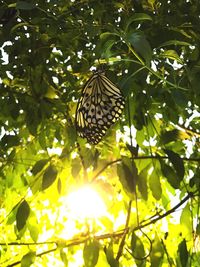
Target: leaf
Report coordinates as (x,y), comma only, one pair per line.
(49,177)
(142,183)
(177,163)
(91,253)
(137,246)
(141,45)
(76,167)
(175,42)
(155,186)
(157,252)
(183,253)
(137,17)
(10,140)
(34,231)
(22,215)
(128,176)
(63,257)
(186,222)
(171,54)
(110,256)
(59,186)
(170,174)
(39,165)
(28,259)
(24,5)
(169,136)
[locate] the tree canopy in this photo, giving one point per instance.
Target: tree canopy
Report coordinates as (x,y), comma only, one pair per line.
(145,169)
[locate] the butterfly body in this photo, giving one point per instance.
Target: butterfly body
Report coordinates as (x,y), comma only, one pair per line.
(100,105)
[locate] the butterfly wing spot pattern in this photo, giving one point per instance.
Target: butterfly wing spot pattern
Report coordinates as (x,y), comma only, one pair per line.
(99,106)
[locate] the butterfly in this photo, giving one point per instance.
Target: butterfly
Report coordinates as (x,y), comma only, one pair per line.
(100,105)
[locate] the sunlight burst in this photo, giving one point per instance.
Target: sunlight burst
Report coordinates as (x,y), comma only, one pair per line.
(85,202)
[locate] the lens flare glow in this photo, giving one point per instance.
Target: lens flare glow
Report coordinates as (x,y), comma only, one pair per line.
(85,203)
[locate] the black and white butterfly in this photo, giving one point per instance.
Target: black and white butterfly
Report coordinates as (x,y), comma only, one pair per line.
(100,105)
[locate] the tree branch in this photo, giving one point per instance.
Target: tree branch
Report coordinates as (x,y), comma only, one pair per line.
(122,233)
(121,246)
(139,158)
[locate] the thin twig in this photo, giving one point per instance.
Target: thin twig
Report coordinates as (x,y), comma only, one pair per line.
(121,246)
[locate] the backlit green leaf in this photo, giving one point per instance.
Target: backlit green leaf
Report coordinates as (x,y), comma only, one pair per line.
(28,259)
(155,185)
(91,253)
(137,247)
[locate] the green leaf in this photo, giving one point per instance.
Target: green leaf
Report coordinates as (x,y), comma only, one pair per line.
(110,256)
(24,5)
(76,167)
(28,259)
(183,253)
(142,183)
(169,136)
(137,246)
(138,17)
(63,257)
(10,141)
(91,253)
(175,42)
(39,165)
(141,45)
(49,177)
(177,163)
(186,222)
(155,185)
(170,174)
(22,215)
(34,231)
(171,54)
(157,252)
(128,176)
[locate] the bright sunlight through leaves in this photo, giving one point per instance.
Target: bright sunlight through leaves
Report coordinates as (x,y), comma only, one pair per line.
(85,203)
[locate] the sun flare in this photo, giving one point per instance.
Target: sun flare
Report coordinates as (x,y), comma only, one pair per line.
(84,203)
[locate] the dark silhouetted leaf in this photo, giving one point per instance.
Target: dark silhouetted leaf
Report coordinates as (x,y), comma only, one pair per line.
(39,165)
(10,141)
(128,176)
(169,136)
(110,256)
(177,163)
(183,253)
(22,215)
(49,177)
(170,174)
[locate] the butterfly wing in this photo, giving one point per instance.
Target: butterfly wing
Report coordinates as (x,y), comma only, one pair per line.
(100,105)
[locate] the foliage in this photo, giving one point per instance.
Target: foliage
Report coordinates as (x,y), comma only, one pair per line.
(147,174)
